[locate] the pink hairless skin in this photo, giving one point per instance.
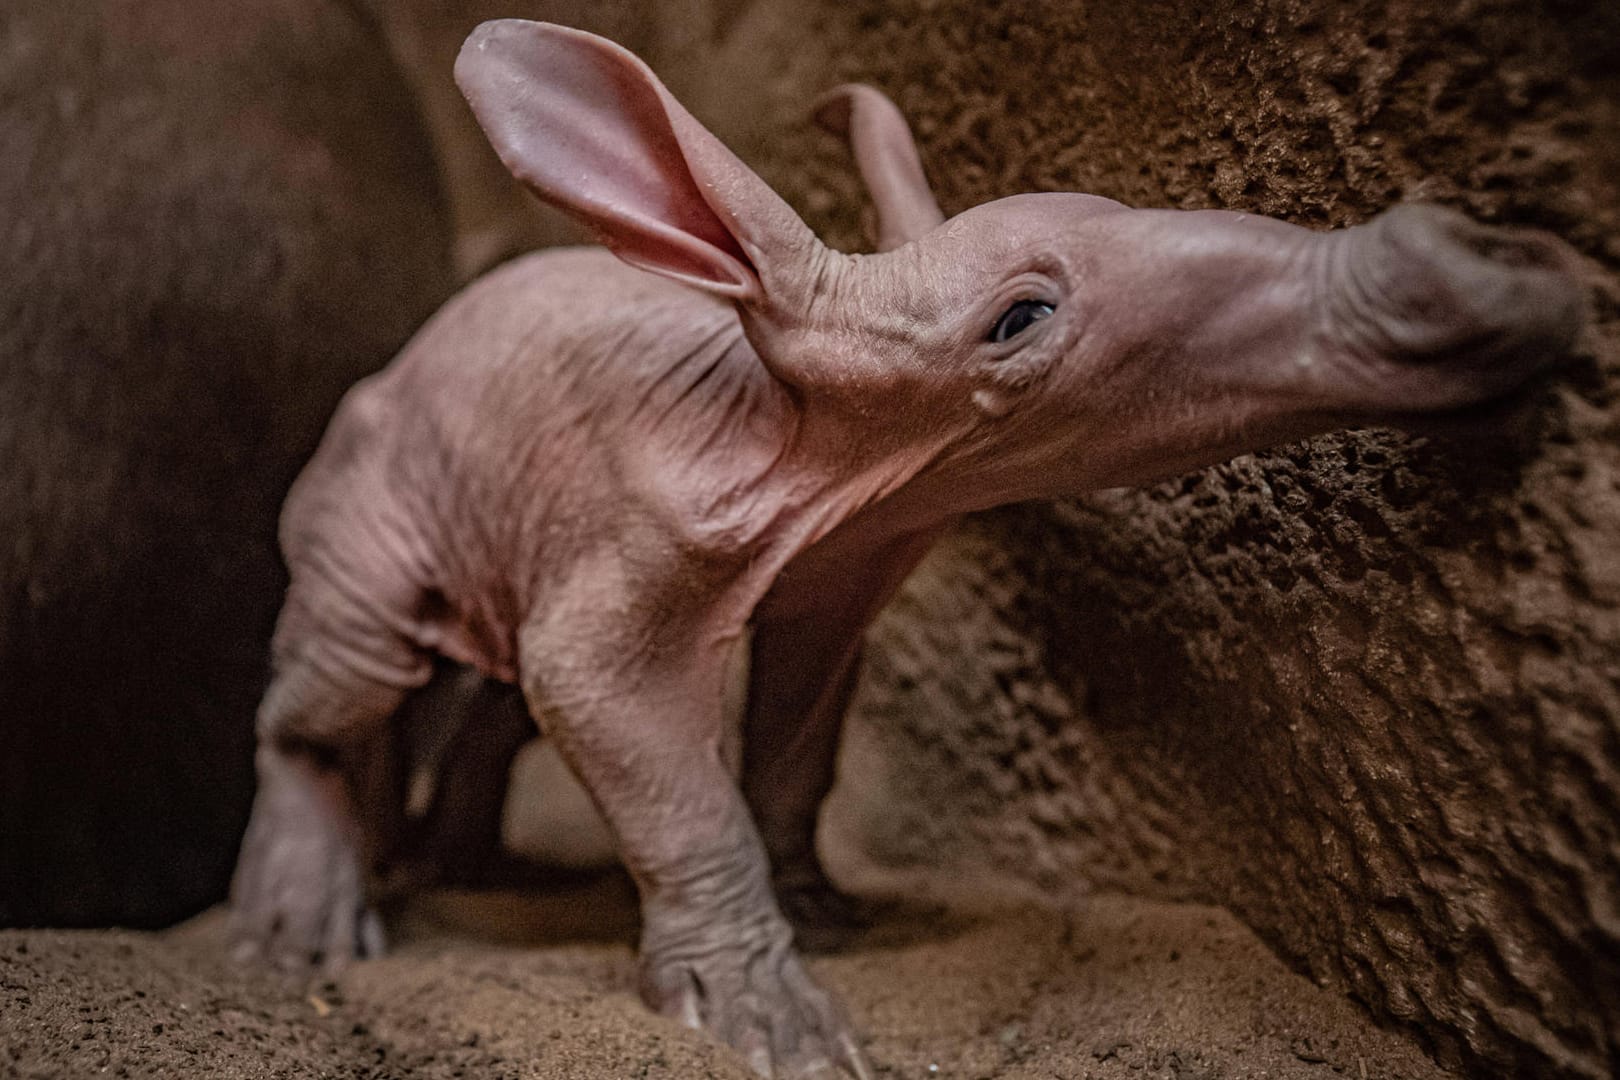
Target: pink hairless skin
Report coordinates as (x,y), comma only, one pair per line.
(597,473)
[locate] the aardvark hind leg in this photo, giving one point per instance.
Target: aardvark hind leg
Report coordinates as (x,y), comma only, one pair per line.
(299,894)
(795,712)
(479,726)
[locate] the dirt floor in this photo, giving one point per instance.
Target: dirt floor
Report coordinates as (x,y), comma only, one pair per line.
(499,986)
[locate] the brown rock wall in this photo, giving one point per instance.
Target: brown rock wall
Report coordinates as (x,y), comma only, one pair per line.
(1366,690)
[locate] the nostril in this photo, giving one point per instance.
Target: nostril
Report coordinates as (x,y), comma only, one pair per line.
(1424,284)
(1438,232)
(1512,248)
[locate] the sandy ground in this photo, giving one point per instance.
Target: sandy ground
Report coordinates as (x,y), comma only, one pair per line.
(505,985)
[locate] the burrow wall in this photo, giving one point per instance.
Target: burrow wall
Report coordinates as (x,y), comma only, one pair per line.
(1364,690)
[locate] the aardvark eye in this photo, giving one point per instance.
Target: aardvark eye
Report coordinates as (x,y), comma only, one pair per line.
(1018,318)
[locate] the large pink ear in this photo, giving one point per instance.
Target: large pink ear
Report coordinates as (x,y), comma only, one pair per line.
(887,157)
(589,128)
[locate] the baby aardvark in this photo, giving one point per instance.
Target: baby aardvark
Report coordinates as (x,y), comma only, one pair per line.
(593,473)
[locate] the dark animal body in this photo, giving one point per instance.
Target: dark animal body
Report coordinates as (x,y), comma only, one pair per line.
(213,228)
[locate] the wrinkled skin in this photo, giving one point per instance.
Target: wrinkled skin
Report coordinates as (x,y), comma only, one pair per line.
(594,479)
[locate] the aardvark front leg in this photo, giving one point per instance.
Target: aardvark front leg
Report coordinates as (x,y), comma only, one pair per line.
(636,711)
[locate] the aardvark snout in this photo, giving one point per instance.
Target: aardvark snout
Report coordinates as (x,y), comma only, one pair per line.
(1423,285)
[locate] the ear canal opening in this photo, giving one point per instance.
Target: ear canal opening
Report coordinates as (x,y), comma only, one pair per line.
(886,155)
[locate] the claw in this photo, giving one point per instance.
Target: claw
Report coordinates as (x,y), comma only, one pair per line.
(341,941)
(763,1003)
(854,1058)
(675,995)
(758,1055)
(373,942)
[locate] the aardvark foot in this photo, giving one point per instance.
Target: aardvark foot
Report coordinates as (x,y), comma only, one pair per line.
(750,988)
(298,898)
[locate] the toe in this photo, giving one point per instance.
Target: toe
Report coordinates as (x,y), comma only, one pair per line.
(672,991)
(853,1058)
(341,940)
(755,1047)
(373,942)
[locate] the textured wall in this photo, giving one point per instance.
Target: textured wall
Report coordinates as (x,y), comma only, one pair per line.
(1365,691)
